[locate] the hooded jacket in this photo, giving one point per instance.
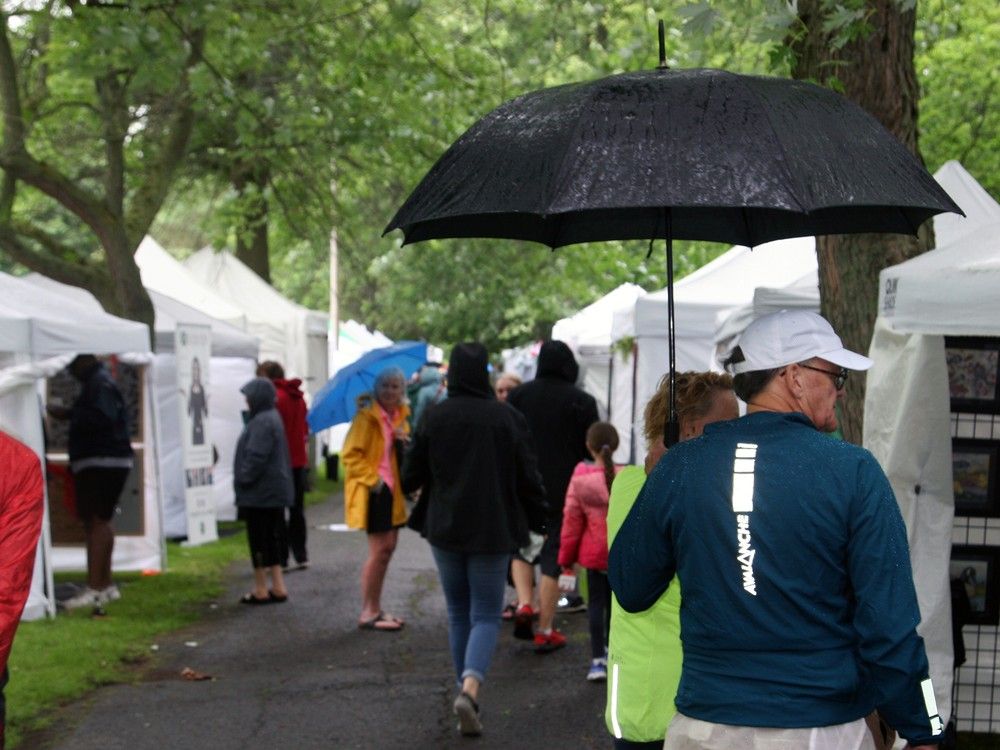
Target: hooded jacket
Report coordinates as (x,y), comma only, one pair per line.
(432,390)
(262,471)
(472,455)
(291,405)
(361,455)
(558,415)
(21,504)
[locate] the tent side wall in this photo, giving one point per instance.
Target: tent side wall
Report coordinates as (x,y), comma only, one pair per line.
(907,429)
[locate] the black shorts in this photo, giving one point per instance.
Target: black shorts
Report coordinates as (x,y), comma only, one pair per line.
(548,558)
(266,535)
(97,491)
(380,511)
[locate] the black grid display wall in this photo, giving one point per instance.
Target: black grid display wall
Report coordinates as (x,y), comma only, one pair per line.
(976,691)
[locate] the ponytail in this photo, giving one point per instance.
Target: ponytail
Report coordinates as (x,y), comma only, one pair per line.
(602,439)
(609,465)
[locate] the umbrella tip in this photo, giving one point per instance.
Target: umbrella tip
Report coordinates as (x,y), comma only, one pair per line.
(661,33)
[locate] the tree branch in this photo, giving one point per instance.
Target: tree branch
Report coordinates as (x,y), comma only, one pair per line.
(151,194)
(50,262)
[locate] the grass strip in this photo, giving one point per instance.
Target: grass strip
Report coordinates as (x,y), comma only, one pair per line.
(57,661)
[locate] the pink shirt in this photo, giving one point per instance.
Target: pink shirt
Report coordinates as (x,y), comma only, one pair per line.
(388,436)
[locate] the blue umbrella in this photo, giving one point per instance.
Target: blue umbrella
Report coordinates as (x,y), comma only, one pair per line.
(336,401)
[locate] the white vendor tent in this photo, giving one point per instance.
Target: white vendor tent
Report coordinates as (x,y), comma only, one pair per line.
(233,363)
(163,273)
(589,334)
(803,293)
(953,290)
(289,333)
(40,332)
(701,300)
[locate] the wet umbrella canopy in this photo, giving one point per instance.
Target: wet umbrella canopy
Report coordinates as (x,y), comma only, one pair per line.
(688,154)
(737,159)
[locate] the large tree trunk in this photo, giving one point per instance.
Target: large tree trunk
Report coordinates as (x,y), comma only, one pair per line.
(256,252)
(127,296)
(877,72)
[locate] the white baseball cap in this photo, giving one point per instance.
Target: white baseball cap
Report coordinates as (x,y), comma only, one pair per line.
(791,336)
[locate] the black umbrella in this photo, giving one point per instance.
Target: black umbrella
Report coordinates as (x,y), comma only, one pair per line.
(686,154)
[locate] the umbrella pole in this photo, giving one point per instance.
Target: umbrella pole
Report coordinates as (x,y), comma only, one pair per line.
(672,429)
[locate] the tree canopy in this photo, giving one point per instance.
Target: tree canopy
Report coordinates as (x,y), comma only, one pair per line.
(261,126)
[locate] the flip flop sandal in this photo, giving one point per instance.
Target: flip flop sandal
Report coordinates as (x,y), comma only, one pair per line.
(275,598)
(381,623)
(251,599)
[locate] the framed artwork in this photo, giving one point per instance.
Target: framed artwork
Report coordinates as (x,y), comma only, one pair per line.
(975,470)
(973,373)
(978,568)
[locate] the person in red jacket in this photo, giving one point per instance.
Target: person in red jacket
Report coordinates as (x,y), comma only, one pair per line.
(584,537)
(21,508)
(291,405)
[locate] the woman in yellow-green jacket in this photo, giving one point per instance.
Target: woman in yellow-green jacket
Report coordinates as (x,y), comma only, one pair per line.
(644,649)
(373,494)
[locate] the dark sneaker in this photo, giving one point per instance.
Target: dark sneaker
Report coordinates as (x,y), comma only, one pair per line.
(523,628)
(467,711)
(546,643)
(571,603)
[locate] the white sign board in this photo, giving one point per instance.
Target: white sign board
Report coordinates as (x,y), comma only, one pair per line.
(193,347)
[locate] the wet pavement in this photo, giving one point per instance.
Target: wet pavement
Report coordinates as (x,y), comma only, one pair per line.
(302,675)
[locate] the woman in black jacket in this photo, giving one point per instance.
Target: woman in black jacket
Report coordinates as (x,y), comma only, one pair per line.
(473,458)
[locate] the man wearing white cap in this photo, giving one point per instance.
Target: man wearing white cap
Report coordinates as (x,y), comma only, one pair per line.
(799,613)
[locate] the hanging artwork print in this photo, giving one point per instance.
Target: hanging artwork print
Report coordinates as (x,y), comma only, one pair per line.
(973,373)
(193,346)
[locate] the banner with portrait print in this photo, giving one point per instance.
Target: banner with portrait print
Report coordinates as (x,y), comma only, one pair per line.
(193,347)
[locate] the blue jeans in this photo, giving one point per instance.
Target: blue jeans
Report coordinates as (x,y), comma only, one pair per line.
(474,587)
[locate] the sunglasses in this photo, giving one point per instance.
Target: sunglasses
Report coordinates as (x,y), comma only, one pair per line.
(839,378)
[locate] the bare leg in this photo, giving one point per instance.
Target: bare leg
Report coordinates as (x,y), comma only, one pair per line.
(381,545)
(548,597)
(522,574)
(100,546)
(278,581)
(470,685)
(260,583)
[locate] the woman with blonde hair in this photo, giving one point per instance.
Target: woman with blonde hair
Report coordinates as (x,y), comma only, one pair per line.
(644,650)
(373,494)
(507,382)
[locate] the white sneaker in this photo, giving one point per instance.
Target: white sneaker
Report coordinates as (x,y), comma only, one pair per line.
(598,670)
(86,598)
(110,594)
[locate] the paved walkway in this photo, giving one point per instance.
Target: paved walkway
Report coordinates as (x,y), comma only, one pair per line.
(301,675)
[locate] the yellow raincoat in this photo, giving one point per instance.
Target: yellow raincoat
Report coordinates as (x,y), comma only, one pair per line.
(361,455)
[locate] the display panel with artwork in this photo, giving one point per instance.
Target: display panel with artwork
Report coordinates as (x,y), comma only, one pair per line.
(973,373)
(978,569)
(974,471)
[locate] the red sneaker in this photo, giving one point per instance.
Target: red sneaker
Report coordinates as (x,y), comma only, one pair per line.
(547,643)
(522,623)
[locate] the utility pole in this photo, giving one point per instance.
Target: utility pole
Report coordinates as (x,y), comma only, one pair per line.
(333,334)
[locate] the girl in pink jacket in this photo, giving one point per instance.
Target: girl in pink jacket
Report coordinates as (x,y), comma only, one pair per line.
(584,537)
